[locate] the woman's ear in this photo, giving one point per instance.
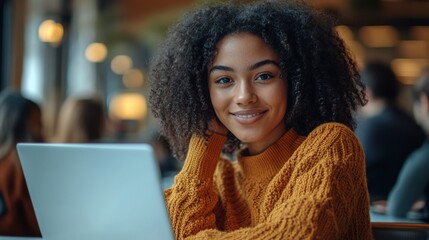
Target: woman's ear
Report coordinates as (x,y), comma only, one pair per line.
(424,101)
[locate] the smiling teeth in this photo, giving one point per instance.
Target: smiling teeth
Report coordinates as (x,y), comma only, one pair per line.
(247,115)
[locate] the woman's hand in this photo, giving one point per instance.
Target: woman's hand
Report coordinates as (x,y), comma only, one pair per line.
(215,126)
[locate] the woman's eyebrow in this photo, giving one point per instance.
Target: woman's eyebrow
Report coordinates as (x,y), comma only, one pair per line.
(262,63)
(252,67)
(221,68)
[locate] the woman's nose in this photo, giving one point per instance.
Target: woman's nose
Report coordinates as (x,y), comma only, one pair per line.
(245,93)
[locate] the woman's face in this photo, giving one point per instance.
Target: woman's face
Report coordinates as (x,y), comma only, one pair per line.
(246,90)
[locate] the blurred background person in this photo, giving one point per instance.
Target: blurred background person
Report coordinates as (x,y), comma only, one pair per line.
(413,180)
(388,134)
(20,121)
(80,120)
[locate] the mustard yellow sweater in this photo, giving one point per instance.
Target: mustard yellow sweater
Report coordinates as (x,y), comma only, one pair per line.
(310,187)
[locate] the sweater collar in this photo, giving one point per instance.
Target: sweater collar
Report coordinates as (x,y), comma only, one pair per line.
(268,163)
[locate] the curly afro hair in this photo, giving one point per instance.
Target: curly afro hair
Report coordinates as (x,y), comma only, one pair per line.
(323,80)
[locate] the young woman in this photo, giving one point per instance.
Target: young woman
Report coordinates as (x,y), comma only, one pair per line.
(272,85)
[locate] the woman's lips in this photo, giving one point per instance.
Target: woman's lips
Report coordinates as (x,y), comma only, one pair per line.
(248,117)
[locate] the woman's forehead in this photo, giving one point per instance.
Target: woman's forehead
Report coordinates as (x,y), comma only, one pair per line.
(245,45)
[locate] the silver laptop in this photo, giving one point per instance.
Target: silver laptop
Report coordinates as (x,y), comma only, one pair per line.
(95,191)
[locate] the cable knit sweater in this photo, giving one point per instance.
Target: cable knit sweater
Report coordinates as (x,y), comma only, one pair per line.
(310,187)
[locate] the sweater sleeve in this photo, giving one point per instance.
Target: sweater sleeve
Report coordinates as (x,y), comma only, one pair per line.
(191,200)
(333,178)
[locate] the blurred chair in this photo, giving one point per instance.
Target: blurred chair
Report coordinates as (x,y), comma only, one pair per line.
(399,231)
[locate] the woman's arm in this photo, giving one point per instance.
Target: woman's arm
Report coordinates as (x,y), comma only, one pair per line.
(192,199)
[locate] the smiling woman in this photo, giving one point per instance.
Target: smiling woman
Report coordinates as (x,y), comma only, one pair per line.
(242,82)
(272,85)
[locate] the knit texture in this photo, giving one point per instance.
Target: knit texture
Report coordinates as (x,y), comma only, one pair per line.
(310,187)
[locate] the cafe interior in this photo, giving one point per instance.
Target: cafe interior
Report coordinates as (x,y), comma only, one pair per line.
(54,49)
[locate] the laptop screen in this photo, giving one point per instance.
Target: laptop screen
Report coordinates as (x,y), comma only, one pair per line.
(95,191)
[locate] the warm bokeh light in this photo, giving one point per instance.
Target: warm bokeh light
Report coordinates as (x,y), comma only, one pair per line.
(96,52)
(133,78)
(51,32)
(121,63)
(408,69)
(128,106)
(379,36)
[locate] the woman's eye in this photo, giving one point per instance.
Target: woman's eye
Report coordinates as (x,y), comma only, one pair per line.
(223,80)
(264,76)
